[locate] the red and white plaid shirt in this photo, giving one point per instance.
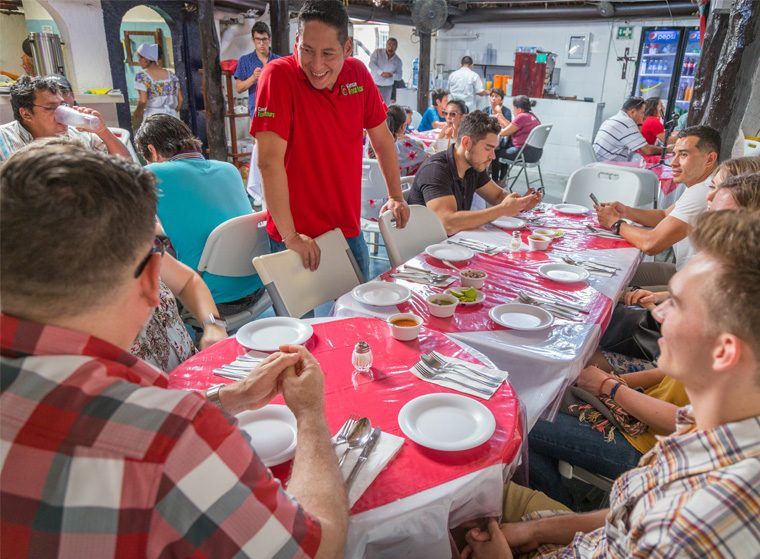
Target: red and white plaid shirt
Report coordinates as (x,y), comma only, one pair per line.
(100,459)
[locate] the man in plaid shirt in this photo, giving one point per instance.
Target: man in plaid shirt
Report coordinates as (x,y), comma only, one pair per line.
(99,458)
(697,492)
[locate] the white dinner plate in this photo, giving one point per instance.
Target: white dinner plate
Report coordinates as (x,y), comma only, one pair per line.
(479,298)
(446,421)
(381,293)
(563,273)
(509,222)
(519,316)
(572,209)
(268,334)
(447,251)
(273,432)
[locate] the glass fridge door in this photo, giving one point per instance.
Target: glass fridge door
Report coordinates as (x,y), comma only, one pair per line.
(657,63)
(691,55)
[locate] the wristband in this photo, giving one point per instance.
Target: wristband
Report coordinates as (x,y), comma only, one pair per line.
(614,390)
(616,226)
(212,395)
(601,386)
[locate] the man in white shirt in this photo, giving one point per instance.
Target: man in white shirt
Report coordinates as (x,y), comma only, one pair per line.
(386,67)
(695,159)
(465,84)
(619,137)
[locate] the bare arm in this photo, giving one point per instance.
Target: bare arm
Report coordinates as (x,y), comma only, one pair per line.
(644,379)
(137,117)
(275,185)
(190,288)
(560,529)
(653,241)
(180,99)
(246,84)
(509,130)
(316,481)
(657,414)
(651,150)
(112,143)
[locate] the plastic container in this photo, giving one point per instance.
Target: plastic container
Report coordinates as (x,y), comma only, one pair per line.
(538,242)
(71,117)
(468,279)
(404,333)
(438,308)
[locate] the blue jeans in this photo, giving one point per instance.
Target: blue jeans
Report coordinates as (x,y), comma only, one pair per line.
(578,444)
(357,245)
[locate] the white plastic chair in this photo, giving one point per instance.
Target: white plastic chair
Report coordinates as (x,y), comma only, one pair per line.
(631,186)
(424,229)
(416,119)
(125,138)
(536,139)
(296,290)
(586,150)
(751,148)
(229,250)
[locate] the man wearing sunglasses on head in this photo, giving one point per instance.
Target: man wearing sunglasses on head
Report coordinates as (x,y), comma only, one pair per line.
(34,101)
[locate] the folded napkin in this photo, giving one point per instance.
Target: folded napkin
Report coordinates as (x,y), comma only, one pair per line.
(466,378)
(386,448)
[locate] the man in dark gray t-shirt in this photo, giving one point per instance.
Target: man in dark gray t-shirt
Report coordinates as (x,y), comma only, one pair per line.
(447,182)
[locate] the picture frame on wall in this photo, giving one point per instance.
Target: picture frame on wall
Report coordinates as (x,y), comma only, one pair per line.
(578,48)
(133,39)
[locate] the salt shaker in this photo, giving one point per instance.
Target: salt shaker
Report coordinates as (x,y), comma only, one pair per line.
(516,241)
(361,358)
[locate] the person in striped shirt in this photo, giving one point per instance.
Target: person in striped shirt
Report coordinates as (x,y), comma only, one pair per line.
(697,492)
(99,458)
(619,137)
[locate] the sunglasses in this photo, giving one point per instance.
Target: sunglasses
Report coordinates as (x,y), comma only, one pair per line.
(451,113)
(160,244)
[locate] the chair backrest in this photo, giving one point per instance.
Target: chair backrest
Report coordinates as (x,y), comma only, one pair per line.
(125,138)
(233,244)
(374,191)
(586,150)
(416,119)
(632,187)
(537,137)
(296,290)
(424,228)
(751,148)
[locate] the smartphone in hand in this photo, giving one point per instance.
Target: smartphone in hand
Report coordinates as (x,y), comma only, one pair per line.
(594,199)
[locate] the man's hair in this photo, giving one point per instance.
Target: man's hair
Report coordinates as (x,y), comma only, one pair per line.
(74,221)
(438,95)
(477,125)
(395,118)
(393,39)
(169,135)
(745,190)
(467,60)
(329,12)
(709,138)
(633,103)
(652,107)
(739,166)
(260,27)
(460,104)
(26,88)
(498,91)
(732,238)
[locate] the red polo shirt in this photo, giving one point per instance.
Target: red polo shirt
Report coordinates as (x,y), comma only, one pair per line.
(324,130)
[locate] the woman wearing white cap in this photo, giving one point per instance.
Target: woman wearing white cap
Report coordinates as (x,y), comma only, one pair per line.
(157,87)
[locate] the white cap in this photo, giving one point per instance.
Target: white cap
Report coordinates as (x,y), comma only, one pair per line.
(149,51)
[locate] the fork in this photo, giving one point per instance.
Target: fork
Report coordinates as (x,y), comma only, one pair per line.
(431,375)
(435,276)
(436,361)
(589,264)
(554,309)
(476,248)
(342,435)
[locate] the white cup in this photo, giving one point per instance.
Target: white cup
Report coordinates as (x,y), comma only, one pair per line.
(538,242)
(439,309)
(405,333)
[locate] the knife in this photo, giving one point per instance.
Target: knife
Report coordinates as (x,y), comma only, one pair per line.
(373,438)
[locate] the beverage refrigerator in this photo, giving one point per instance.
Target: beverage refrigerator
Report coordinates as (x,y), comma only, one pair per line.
(668,58)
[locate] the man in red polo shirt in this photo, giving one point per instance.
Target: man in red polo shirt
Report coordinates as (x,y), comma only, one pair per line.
(311,110)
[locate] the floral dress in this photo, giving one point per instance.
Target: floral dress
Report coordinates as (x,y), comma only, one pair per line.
(163,95)
(164,341)
(411,155)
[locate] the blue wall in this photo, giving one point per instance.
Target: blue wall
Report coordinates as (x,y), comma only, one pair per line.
(35,25)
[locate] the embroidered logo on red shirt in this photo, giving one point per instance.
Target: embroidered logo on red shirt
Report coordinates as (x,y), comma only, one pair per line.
(351,88)
(262,112)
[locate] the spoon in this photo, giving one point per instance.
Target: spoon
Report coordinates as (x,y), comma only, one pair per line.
(357,438)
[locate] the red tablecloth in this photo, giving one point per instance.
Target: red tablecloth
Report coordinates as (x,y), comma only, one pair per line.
(415,468)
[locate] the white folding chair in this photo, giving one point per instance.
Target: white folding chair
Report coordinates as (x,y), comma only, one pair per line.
(229,250)
(125,138)
(751,148)
(424,228)
(296,290)
(416,119)
(586,150)
(536,139)
(631,186)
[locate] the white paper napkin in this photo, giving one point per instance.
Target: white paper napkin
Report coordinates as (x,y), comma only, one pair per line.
(442,381)
(386,448)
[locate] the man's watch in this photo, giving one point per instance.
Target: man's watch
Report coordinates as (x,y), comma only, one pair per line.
(212,320)
(615,228)
(212,395)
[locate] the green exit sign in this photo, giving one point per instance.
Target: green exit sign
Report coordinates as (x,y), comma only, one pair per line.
(625,33)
